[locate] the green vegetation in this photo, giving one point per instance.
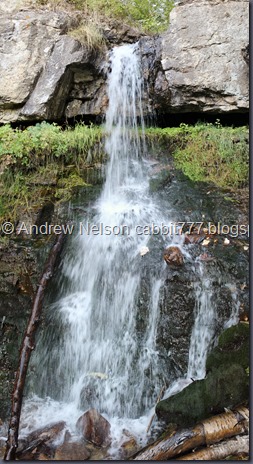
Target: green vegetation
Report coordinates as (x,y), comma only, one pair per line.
(43,161)
(150,16)
(208,152)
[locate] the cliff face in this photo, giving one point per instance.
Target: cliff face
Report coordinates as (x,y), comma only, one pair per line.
(200,64)
(205,56)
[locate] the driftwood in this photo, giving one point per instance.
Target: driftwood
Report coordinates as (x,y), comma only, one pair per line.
(26,349)
(207,432)
(230,447)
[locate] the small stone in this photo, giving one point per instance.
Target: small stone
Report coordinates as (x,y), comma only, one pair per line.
(173,255)
(206,242)
(128,447)
(226,241)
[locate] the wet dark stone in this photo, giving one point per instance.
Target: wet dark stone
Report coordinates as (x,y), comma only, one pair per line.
(233,347)
(226,383)
(173,256)
(94,428)
(225,386)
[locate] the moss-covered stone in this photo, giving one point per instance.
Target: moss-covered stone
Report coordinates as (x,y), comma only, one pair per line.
(226,383)
(223,387)
(233,347)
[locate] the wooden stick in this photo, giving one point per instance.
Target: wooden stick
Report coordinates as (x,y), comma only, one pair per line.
(209,431)
(158,399)
(26,349)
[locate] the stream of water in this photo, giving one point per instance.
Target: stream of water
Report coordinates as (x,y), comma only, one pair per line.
(99,358)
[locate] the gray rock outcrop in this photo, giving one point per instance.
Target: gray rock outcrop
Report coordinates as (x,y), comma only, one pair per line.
(204,56)
(200,65)
(41,67)
(27,38)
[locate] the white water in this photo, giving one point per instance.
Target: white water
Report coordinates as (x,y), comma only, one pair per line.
(203,329)
(100,355)
(99,359)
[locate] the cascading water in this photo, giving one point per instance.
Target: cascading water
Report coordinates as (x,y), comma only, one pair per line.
(100,360)
(93,353)
(204,327)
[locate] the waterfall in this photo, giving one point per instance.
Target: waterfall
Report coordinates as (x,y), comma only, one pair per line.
(98,357)
(94,353)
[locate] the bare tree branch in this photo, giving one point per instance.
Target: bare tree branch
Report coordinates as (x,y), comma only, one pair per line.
(26,349)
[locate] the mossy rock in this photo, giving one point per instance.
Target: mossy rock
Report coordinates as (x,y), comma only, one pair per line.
(233,347)
(223,387)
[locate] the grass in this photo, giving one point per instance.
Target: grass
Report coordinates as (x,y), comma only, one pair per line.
(43,161)
(149,16)
(89,34)
(208,152)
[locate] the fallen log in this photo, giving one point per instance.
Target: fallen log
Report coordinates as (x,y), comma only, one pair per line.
(26,349)
(207,432)
(230,447)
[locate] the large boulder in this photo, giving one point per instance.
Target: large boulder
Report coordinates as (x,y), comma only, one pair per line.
(42,69)
(204,56)
(223,387)
(94,428)
(44,73)
(226,383)
(27,39)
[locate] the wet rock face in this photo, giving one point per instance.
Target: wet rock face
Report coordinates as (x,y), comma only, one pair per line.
(156,88)
(176,320)
(204,56)
(72,451)
(39,445)
(18,274)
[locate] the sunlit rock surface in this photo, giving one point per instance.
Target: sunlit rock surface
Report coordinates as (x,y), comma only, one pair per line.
(204,56)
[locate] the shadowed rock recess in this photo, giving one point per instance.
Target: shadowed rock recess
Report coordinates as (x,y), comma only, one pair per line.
(200,64)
